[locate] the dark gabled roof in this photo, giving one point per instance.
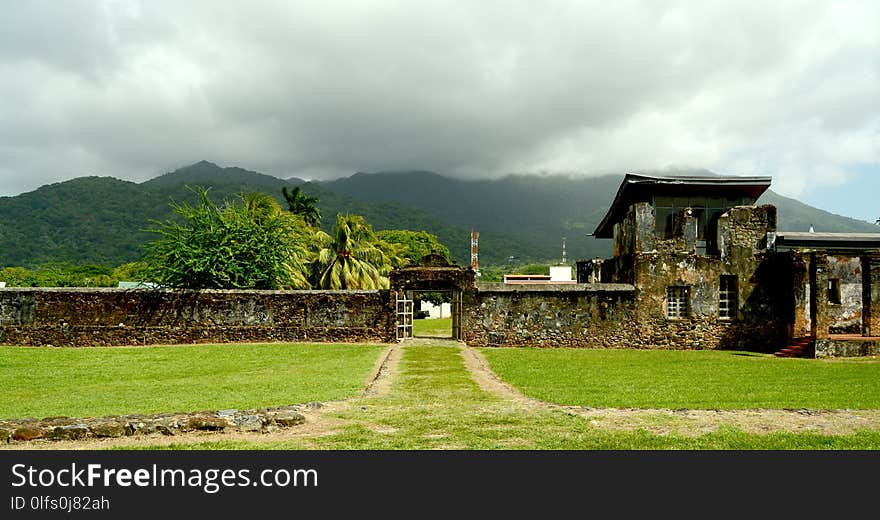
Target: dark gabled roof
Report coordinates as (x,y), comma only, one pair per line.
(834,241)
(636,187)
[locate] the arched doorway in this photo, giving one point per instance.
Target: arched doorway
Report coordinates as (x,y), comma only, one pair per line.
(433,274)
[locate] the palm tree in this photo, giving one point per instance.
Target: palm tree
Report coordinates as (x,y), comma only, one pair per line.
(301,204)
(353,258)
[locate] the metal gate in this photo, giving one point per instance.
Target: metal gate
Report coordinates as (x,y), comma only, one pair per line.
(404,316)
(456,315)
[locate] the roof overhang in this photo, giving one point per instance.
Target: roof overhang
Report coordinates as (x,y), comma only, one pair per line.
(636,187)
(854,242)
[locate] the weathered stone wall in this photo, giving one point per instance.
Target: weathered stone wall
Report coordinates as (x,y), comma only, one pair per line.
(764,306)
(846,317)
(585,316)
(800,287)
(820,324)
(871,293)
(582,315)
(99,317)
(847,348)
(67,428)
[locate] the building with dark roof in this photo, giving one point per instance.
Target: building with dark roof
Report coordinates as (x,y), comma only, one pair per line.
(710,268)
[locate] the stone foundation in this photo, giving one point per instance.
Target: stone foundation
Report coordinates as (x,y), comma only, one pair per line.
(66,428)
(848,347)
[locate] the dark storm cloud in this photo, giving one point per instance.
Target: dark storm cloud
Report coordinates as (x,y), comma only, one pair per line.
(321,89)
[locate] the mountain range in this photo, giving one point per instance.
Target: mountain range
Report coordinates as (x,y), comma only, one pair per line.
(104,220)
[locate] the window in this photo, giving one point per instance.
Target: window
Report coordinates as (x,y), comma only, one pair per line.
(676,302)
(834,290)
(707,211)
(727,297)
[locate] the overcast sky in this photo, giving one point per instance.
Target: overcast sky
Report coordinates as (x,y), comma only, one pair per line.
(473,89)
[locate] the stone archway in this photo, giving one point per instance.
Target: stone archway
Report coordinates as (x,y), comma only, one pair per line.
(433,273)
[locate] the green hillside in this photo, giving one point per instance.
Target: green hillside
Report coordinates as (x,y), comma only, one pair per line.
(103,220)
(797,216)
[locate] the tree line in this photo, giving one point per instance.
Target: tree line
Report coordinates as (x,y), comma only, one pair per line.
(251,242)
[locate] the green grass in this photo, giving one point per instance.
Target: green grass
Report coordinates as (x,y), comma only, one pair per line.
(434,404)
(687,379)
(42,382)
(433,328)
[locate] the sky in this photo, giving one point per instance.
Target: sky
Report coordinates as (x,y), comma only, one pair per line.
(472,89)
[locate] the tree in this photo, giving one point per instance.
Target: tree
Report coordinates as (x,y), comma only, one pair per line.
(247,243)
(129,272)
(416,244)
(353,257)
(303,205)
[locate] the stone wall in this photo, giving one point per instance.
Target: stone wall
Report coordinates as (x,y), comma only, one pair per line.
(847,348)
(871,294)
(582,315)
(845,317)
(67,428)
(586,316)
(101,317)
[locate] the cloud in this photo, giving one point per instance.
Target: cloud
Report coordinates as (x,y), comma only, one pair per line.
(480,89)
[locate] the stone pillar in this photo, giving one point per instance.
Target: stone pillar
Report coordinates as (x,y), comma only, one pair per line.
(691,230)
(645,227)
(819,320)
(871,295)
(800,281)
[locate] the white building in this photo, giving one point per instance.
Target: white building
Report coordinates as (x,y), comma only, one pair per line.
(444,310)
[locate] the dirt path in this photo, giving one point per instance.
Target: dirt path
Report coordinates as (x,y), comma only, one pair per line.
(386,369)
(684,422)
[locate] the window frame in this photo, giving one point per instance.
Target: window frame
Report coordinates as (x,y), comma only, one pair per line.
(728,297)
(834,291)
(678,305)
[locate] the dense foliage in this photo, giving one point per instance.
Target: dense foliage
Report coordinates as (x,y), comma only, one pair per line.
(246,243)
(71,275)
(416,244)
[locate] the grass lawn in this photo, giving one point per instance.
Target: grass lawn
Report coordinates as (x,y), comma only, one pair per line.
(435,404)
(44,382)
(687,379)
(433,328)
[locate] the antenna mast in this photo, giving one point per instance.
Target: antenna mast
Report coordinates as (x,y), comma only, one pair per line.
(564,261)
(475,240)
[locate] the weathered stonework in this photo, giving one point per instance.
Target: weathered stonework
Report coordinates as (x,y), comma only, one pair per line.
(871,293)
(847,348)
(66,428)
(102,317)
(845,317)
(594,315)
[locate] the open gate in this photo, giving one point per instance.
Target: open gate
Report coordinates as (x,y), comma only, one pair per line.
(432,273)
(456,315)
(404,316)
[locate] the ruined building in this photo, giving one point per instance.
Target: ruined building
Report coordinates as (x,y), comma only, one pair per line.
(705,261)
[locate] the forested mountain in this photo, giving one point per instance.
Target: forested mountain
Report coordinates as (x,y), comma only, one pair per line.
(540,210)
(103,220)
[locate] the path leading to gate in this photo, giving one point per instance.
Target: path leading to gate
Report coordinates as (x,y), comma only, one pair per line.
(441,394)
